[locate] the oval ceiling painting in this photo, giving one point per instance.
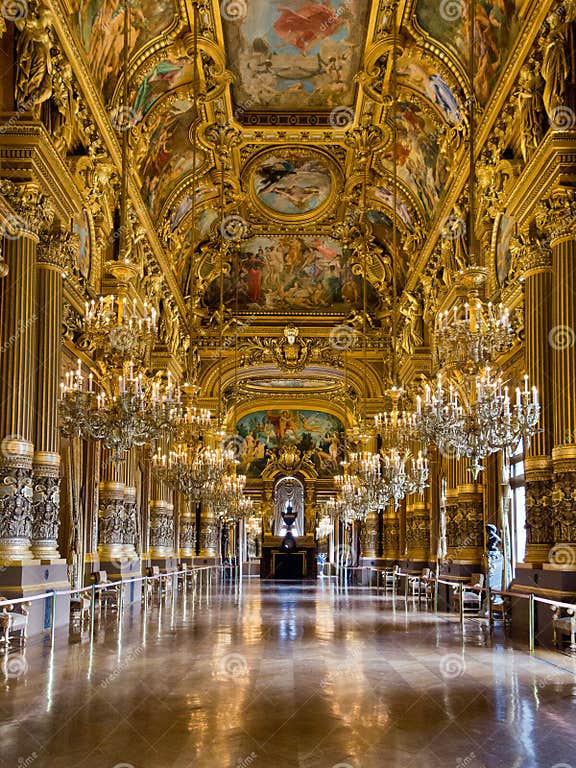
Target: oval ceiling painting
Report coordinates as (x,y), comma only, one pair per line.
(291,183)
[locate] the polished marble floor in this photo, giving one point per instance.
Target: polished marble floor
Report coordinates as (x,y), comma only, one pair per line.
(282,676)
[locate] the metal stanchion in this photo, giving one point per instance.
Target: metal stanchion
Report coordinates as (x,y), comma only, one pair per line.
(120,600)
(53,619)
(145,607)
(92,611)
(436,595)
(531,623)
(490,614)
(461,604)
(393,586)
(406,587)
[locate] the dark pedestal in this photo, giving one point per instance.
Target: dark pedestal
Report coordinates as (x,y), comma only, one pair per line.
(299,564)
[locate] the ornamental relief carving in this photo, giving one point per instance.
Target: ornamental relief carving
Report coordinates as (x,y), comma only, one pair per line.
(46,509)
(111,522)
(16,494)
(539,523)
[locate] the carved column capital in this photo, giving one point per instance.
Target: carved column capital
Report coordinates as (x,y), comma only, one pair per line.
(33,209)
(556,216)
(58,249)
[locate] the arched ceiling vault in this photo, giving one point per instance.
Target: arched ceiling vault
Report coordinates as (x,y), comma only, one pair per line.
(286,101)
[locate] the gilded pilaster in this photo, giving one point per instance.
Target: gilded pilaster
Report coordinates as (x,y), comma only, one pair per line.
(208,533)
(111,512)
(18,369)
(563,352)
(54,255)
(130,526)
(161,522)
(536,269)
(391,533)
(369,536)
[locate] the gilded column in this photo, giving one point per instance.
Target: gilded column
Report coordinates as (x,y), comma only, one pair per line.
(563,352)
(468,522)
(55,252)
(451,473)
(391,533)
(535,265)
(369,536)
(187,528)
(418,528)
(111,511)
(208,532)
(161,522)
(130,524)
(18,369)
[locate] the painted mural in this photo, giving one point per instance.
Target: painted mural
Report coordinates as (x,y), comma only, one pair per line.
(164,77)
(386,196)
(419,162)
(183,263)
(100,25)
(293,182)
(278,273)
(423,77)
(260,434)
(496,28)
(295,54)
(169,157)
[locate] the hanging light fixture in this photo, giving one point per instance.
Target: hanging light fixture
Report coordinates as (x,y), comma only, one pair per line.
(132,408)
(468,338)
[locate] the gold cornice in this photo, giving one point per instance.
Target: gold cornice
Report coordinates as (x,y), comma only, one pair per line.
(534,16)
(90,92)
(27,153)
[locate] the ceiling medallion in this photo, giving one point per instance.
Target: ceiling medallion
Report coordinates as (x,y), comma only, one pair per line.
(292,184)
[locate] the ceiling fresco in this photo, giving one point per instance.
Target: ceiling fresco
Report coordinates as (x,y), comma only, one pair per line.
(296,54)
(291,183)
(99,25)
(497,26)
(260,434)
(300,273)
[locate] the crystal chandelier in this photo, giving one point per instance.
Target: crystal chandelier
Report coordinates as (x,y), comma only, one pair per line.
(226,498)
(117,330)
(351,498)
(439,419)
(403,474)
(366,467)
(133,411)
(396,428)
(325,526)
(195,471)
(473,332)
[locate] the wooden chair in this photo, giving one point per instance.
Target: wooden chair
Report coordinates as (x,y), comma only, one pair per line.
(564,624)
(107,595)
(13,620)
(417,584)
(471,598)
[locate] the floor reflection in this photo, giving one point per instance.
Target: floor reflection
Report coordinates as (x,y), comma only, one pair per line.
(300,675)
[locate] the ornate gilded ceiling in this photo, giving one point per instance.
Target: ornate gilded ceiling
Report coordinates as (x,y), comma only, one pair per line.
(270,141)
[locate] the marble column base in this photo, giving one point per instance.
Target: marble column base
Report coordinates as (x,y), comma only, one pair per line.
(34,579)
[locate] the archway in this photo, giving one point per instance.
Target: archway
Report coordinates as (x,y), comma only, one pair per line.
(289,489)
